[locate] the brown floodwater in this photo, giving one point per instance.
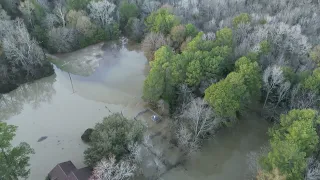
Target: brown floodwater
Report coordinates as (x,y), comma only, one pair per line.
(225,156)
(86,85)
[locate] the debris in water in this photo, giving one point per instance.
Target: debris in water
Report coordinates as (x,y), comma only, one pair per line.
(42,138)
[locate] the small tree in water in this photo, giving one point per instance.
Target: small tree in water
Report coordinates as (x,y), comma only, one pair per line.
(113,136)
(14,161)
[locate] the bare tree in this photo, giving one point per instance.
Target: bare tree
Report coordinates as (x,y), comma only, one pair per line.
(302,99)
(27,9)
(62,39)
(102,11)
(50,21)
(85,26)
(253,161)
(313,169)
(151,43)
(3,14)
(20,48)
(137,27)
(200,116)
(195,121)
(272,77)
(60,11)
(150,6)
(112,170)
(6,26)
(73,16)
(283,91)
(186,140)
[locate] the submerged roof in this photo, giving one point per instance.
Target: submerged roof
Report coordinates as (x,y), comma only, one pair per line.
(80,174)
(61,171)
(68,171)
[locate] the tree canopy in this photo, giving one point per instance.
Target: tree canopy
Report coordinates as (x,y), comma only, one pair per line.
(292,141)
(112,137)
(14,161)
(237,90)
(161,21)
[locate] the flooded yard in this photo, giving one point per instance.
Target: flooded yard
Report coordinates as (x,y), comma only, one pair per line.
(86,85)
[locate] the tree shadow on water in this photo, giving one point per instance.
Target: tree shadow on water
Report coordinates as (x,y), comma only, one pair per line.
(34,94)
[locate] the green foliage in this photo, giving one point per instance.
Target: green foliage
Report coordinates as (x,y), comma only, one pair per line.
(289,75)
(39,12)
(113,136)
(263,21)
(195,43)
(253,56)
(242,18)
(315,54)
(132,31)
(237,90)
(213,67)
(99,35)
(127,11)
(77,4)
(273,175)
(40,34)
(191,30)
(194,73)
(225,96)
(161,21)
(179,66)
(222,51)
(292,142)
(298,127)
(14,161)
(265,47)
(225,64)
(287,158)
(312,82)
(198,44)
(156,82)
(224,37)
(250,72)
(178,34)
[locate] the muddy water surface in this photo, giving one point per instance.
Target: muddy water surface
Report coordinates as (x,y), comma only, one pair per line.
(62,106)
(225,156)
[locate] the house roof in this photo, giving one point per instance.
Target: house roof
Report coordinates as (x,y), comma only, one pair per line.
(80,174)
(61,171)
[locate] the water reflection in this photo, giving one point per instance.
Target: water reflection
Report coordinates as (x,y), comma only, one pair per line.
(30,93)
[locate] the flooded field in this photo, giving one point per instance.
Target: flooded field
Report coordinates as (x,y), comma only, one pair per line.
(62,109)
(87,84)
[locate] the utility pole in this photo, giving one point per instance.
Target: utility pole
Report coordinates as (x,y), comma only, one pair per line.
(71,83)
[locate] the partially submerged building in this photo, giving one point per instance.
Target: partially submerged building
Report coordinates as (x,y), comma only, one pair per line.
(68,171)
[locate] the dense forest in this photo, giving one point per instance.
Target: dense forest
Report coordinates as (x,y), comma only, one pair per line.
(211,61)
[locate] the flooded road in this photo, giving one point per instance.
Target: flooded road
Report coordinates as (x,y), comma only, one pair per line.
(100,79)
